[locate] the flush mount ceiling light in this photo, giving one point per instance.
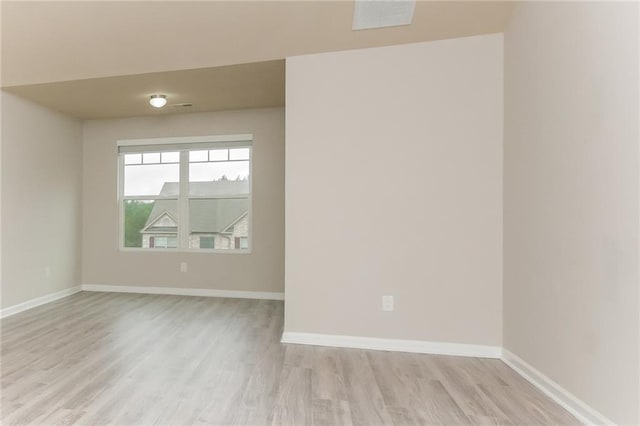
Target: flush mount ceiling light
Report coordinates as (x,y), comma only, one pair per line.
(158,101)
(369,14)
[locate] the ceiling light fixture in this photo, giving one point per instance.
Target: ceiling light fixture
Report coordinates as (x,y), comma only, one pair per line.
(158,101)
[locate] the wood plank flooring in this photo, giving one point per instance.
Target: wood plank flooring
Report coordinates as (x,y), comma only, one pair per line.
(132,359)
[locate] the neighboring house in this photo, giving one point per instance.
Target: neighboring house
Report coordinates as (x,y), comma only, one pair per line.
(216,222)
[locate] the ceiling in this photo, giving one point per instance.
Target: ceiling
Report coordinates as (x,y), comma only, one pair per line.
(257,85)
(47,46)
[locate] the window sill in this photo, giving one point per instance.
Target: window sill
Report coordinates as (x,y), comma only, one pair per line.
(177,250)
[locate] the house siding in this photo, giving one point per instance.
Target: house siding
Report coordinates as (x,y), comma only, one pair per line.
(222,242)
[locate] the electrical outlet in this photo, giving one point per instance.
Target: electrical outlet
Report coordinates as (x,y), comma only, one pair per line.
(387,303)
(47,272)
(183,267)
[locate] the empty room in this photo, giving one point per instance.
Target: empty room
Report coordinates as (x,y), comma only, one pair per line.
(355,212)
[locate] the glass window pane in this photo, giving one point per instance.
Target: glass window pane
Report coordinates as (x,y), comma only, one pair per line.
(244,242)
(207,242)
(152,179)
(239,154)
(150,223)
(218,205)
(133,159)
(223,219)
(170,157)
(198,156)
(215,179)
(218,155)
(151,157)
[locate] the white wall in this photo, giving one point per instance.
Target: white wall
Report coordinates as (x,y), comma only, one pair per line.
(571,199)
(394,187)
(104,264)
(41,209)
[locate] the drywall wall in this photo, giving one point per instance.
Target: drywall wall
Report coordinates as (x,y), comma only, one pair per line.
(104,264)
(41,208)
(571,198)
(394,187)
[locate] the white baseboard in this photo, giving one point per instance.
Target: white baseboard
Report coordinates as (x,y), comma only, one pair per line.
(394,345)
(20,307)
(205,292)
(581,410)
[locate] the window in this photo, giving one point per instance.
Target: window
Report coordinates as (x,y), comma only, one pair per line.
(207,242)
(241,242)
(163,242)
(185,193)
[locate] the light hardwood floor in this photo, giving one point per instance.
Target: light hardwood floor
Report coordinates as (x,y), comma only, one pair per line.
(130,359)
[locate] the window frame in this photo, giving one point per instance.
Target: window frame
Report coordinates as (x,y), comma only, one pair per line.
(183,145)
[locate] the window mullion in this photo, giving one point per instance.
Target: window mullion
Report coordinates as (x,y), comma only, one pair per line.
(183,201)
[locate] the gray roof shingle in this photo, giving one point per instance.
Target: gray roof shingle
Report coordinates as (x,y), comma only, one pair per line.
(205,215)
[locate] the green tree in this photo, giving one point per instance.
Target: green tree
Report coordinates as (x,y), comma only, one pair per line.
(136,214)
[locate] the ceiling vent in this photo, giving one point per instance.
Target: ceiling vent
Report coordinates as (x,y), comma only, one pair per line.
(369,14)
